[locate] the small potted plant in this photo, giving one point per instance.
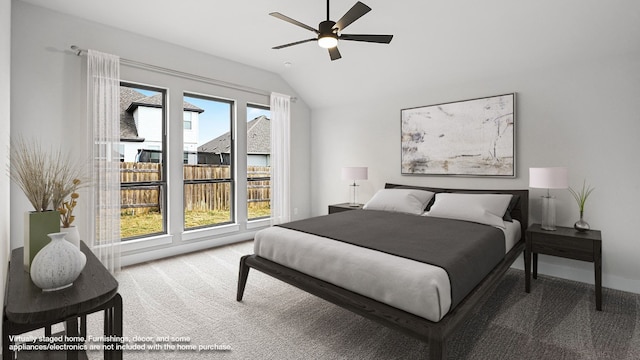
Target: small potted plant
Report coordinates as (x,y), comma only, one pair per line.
(581,198)
(66,214)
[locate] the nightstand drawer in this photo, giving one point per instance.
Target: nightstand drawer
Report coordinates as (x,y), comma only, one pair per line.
(336,209)
(577,249)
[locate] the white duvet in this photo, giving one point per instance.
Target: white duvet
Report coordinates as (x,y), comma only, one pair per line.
(412,286)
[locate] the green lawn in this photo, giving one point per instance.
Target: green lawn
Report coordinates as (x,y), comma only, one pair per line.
(149,223)
(136,225)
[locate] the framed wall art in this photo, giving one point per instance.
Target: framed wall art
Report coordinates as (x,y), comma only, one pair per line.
(464,138)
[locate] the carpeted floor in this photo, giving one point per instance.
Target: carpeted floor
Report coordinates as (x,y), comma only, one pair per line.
(193,297)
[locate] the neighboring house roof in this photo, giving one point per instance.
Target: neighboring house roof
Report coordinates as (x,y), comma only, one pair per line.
(259,136)
(130,99)
(128,130)
(258,139)
(156,101)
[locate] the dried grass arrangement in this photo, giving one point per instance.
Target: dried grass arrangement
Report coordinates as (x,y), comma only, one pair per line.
(46,177)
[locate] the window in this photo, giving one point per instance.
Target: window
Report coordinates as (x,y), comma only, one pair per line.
(121,152)
(185,158)
(208,177)
(187,120)
(142,169)
(258,162)
(182,187)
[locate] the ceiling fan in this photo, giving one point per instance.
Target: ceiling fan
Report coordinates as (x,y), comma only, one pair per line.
(329,32)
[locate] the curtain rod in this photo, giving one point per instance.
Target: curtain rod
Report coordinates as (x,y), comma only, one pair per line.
(185,75)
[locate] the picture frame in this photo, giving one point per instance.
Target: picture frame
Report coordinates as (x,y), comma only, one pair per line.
(473,137)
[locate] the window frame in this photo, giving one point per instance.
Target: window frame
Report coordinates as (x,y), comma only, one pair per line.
(176,239)
(258,178)
(232,166)
(162,184)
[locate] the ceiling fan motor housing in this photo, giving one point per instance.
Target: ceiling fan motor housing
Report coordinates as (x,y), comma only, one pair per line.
(326,27)
(327,36)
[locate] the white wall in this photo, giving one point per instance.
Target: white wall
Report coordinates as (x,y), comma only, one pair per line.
(48,88)
(5,94)
(149,124)
(190,137)
(584,115)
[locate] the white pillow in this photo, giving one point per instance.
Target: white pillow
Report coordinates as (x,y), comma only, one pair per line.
(400,200)
(481,208)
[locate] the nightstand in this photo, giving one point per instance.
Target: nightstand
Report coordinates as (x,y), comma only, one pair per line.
(343,207)
(567,243)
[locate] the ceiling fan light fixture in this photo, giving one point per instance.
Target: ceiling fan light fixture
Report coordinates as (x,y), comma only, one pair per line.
(327,37)
(328,41)
(330,32)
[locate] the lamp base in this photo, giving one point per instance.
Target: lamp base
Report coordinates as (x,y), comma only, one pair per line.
(548,213)
(354,200)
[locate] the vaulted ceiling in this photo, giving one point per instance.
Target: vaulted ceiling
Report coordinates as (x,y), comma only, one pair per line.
(436,42)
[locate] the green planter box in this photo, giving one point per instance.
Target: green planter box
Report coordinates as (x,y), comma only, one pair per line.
(37,226)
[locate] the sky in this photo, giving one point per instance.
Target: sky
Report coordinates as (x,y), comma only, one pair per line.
(215,120)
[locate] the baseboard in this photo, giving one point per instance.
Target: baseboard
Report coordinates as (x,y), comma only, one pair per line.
(157,254)
(580,271)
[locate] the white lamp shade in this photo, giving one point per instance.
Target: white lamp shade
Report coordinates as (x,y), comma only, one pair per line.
(549,178)
(355,173)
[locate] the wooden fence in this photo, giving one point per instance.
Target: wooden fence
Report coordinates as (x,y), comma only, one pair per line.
(143,198)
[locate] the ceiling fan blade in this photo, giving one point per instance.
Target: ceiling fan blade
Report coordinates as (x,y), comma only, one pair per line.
(293,43)
(334,53)
(292,21)
(355,13)
(382,39)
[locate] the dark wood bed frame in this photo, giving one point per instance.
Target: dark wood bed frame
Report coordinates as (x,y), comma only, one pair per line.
(435,333)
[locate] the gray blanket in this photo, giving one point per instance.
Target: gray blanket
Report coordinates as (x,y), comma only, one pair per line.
(466,251)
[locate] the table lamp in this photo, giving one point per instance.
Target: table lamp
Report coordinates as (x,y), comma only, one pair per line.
(548,178)
(352,174)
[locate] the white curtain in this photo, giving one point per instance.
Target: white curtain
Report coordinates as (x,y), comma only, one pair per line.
(280,151)
(103,91)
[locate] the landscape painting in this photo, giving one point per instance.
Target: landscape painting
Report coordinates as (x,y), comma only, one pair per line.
(465,138)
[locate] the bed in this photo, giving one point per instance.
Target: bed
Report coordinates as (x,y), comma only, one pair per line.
(428,322)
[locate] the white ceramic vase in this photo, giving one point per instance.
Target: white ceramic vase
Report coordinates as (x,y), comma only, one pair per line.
(58,264)
(72,235)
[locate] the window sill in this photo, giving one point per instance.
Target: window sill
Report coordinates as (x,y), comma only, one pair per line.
(254,224)
(137,244)
(199,234)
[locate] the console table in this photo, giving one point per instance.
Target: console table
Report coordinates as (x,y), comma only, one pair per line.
(27,308)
